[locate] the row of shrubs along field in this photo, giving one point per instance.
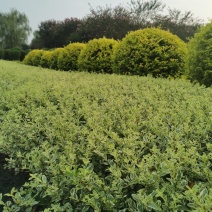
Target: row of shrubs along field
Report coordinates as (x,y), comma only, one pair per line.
(149,51)
(95,142)
(17,54)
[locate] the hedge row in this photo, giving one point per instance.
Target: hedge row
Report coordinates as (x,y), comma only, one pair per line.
(148,51)
(13,54)
(110,143)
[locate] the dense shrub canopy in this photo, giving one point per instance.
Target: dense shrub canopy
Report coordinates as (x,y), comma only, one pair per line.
(12,54)
(200,56)
(53,58)
(68,57)
(1,53)
(94,142)
(150,51)
(34,57)
(45,59)
(97,55)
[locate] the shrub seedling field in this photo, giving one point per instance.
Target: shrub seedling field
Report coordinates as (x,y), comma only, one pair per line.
(94,142)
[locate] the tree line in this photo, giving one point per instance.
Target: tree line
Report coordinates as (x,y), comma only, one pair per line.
(111,22)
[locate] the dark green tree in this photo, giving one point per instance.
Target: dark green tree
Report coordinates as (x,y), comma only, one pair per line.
(116,22)
(106,21)
(53,34)
(151,13)
(182,24)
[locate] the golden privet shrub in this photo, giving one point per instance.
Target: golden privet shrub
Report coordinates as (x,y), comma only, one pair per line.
(97,56)
(53,59)
(45,59)
(150,51)
(33,58)
(199,64)
(68,57)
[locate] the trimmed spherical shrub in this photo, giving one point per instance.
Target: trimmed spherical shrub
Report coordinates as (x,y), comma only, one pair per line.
(97,56)
(150,51)
(199,63)
(33,58)
(53,58)
(68,57)
(45,59)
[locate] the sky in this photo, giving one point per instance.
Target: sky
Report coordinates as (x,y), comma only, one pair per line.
(42,10)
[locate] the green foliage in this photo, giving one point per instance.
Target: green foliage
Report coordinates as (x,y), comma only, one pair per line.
(53,58)
(150,51)
(115,22)
(107,22)
(1,53)
(12,54)
(97,56)
(14,29)
(105,142)
(33,58)
(200,56)
(54,34)
(23,53)
(68,57)
(45,59)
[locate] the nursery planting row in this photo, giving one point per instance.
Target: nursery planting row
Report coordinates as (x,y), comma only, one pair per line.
(148,51)
(95,142)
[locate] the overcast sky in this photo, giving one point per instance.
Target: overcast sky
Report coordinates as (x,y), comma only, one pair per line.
(42,10)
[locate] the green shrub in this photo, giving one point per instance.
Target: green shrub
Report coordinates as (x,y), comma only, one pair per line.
(1,53)
(150,51)
(6,54)
(23,53)
(94,142)
(68,57)
(28,58)
(15,54)
(199,63)
(45,59)
(12,54)
(16,48)
(33,57)
(97,56)
(53,58)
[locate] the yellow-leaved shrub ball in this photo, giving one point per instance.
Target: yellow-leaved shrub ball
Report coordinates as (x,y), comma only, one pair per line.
(97,56)
(150,51)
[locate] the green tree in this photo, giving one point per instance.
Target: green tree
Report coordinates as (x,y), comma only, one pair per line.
(106,22)
(37,41)
(14,29)
(153,13)
(53,34)
(145,12)
(182,24)
(2,30)
(116,22)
